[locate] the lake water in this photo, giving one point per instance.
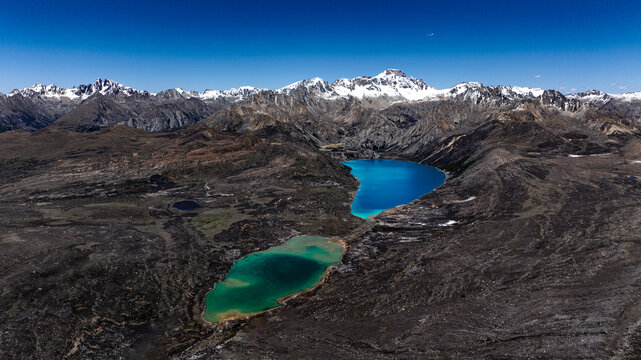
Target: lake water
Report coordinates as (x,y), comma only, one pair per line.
(385,184)
(256,282)
(186,205)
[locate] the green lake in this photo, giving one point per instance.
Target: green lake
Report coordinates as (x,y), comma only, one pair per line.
(256,282)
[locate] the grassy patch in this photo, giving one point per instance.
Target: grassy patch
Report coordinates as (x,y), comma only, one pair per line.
(212,222)
(460,165)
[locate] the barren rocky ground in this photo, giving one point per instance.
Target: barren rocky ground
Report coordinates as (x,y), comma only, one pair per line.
(518,257)
(95,262)
(529,250)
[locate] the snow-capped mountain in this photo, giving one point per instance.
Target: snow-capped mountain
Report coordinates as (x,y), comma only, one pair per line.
(598,97)
(234,94)
(106,86)
(238,94)
(394,85)
(45,91)
(478,93)
(391,83)
(315,86)
(628,104)
(593,97)
(39,106)
(78,93)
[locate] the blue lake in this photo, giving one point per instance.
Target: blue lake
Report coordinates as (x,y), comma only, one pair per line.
(388,183)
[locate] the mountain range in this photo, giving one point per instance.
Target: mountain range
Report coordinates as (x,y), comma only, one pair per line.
(391,84)
(106,102)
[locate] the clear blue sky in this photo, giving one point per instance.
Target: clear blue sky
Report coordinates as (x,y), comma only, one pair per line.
(155,45)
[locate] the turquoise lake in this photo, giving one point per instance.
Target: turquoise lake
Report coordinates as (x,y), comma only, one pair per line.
(385,184)
(258,281)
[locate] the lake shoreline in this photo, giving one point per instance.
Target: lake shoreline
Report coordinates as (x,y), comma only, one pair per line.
(282,300)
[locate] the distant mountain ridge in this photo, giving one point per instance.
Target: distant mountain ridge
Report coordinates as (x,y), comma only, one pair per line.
(391,83)
(80,92)
(107,102)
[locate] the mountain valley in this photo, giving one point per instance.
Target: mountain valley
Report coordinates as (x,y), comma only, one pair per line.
(530,249)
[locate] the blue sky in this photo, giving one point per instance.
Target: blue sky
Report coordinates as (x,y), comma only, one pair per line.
(155,45)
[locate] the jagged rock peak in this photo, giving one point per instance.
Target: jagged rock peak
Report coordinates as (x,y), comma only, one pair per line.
(107,86)
(558,100)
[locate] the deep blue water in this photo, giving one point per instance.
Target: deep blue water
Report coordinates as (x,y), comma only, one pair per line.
(388,183)
(186,205)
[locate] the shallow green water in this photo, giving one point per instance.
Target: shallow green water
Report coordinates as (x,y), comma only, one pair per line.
(257,281)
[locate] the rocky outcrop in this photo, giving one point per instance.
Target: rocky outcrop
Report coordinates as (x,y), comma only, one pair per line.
(556,99)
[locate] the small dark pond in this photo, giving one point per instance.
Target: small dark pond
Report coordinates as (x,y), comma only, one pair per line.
(186,205)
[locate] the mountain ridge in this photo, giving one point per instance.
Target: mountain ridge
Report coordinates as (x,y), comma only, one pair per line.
(391,83)
(313,103)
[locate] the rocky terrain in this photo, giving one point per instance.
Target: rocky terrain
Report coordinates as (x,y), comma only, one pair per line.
(529,249)
(95,262)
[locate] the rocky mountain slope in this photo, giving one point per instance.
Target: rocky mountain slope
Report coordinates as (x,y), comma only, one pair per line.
(529,251)
(106,103)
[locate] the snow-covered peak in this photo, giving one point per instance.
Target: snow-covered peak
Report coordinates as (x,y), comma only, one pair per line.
(520,91)
(107,86)
(599,97)
(478,93)
(315,86)
(314,83)
(390,73)
(463,87)
(209,94)
(80,92)
(178,92)
(390,83)
(394,85)
(591,96)
(45,91)
(234,94)
(242,92)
